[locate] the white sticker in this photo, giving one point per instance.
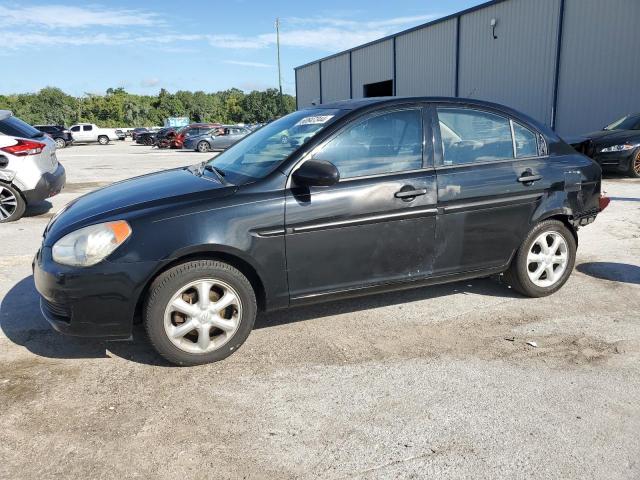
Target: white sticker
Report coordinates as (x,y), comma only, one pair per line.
(315,120)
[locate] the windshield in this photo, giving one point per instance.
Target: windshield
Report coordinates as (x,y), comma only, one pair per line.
(627,122)
(260,153)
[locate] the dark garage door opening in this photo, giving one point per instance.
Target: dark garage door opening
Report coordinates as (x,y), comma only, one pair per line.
(378,89)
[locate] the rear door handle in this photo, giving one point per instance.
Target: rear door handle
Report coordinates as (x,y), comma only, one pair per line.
(528,178)
(410,193)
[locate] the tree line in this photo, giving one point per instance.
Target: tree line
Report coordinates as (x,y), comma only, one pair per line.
(118,108)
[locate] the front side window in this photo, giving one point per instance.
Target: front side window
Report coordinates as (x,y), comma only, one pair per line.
(387,143)
(470,136)
(258,154)
(75,129)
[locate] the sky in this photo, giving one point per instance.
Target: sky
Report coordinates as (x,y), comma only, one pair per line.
(87,47)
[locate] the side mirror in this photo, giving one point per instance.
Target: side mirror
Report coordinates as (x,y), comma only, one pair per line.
(316,173)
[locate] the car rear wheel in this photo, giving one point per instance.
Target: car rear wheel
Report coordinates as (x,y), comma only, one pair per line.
(544,261)
(148,142)
(634,165)
(60,143)
(103,140)
(199,312)
(203,146)
(12,205)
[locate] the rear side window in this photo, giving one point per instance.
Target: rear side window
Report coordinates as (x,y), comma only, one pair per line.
(387,143)
(14,127)
(470,136)
(525,141)
(87,128)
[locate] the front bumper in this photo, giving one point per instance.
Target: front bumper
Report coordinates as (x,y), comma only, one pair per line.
(98,301)
(617,161)
(50,184)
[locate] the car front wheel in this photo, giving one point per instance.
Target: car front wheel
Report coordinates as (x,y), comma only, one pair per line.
(544,261)
(199,312)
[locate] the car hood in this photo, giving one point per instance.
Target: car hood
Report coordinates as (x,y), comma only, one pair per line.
(612,135)
(127,198)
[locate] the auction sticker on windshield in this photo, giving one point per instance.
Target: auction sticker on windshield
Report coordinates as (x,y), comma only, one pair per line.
(315,120)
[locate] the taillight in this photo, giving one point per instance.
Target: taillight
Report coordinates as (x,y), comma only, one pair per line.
(604,201)
(24,148)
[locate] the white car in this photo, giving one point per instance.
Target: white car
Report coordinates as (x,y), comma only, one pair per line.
(90,132)
(29,169)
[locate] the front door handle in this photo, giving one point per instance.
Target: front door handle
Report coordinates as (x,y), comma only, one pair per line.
(528,177)
(411,193)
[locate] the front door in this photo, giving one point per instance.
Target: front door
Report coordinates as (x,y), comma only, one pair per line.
(377,224)
(491,177)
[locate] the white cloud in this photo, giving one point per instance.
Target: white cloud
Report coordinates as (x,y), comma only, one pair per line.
(64,16)
(325,34)
(248,64)
(150,82)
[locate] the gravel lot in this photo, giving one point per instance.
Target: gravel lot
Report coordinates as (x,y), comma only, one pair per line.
(402,385)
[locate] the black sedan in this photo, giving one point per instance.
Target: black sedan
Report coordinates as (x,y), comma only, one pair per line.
(387,194)
(146,138)
(616,147)
(59,133)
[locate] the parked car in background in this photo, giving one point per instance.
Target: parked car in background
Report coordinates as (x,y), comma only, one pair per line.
(165,137)
(387,194)
(89,132)
(29,169)
(616,147)
(137,131)
(120,133)
(146,138)
(59,133)
(219,138)
(191,130)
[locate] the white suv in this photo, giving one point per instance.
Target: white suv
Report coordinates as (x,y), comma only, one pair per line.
(29,169)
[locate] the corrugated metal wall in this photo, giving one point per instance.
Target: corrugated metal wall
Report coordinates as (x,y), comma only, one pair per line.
(371,64)
(426,61)
(600,64)
(335,78)
(598,76)
(517,68)
(308,85)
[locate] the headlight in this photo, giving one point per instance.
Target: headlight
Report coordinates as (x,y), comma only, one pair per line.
(90,245)
(619,148)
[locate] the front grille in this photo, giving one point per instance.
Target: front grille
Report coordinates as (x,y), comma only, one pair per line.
(60,312)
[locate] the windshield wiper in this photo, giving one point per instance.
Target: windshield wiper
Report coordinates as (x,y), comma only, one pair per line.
(219,173)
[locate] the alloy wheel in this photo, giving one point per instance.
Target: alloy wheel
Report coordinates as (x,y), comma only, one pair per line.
(547,259)
(636,165)
(202,316)
(60,143)
(203,147)
(8,203)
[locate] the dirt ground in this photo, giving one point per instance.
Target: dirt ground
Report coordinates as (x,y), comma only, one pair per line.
(436,381)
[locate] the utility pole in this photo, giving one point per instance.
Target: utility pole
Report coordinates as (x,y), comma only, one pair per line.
(279,70)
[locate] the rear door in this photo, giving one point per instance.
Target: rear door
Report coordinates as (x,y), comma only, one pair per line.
(377,224)
(491,177)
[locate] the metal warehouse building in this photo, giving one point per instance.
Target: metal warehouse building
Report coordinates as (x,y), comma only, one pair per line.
(572,64)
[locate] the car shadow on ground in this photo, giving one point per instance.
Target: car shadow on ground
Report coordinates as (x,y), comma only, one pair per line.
(616,272)
(23,324)
(40,208)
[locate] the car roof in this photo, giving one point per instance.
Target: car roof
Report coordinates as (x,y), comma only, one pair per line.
(5,114)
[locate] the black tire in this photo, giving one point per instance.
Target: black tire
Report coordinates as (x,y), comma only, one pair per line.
(103,139)
(517,275)
(148,142)
(60,143)
(170,282)
(12,205)
(203,146)
(634,165)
